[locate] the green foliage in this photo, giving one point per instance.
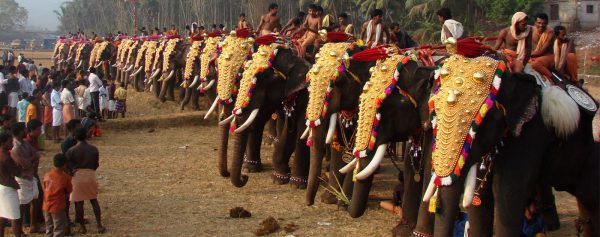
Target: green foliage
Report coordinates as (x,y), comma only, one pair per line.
(12,16)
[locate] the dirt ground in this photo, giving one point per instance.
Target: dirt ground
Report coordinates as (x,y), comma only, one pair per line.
(159,177)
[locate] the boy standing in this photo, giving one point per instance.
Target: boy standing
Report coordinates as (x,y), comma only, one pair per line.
(22,107)
(57,184)
(111,98)
(83,159)
(121,98)
(57,113)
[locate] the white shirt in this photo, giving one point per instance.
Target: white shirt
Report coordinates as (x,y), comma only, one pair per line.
(67,97)
(25,85)
(3,82)
(95,82)
(454,27)
(55,100)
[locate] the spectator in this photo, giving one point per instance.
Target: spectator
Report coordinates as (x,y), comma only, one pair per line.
(95,84)
(22,107)
(70,138)
(57,111)
(12,89)
(111,98)
(401,38)
(121,98)
(24,82)
(103,99)
(533,224)
(9,198)
(57,184)
(68,101)
(32,108)
(3,96)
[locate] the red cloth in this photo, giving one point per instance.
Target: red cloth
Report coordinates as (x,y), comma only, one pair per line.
(265,39)
(470,47)
(215,34)
(56,185)
(597,58)
(242,33)
(336,37)
(369,55)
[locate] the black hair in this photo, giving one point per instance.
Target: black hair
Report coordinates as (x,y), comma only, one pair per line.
(80,134)
(5,137)
(312,6)
(56,84)
(297,21)
(92,70)
(72,123)
(12,69)
(35,91)
(25,95)
(558,29)
(301,14)
(201,27)
(59,160)
(64,83)
(221,26)
(17,128)
(5,117)
(376,12)
(319,8)
(394,25)
(343,15)
(214,25)
(1,68)
(445,13)
(542,16)
(273,6)
(33,124)
(242,14)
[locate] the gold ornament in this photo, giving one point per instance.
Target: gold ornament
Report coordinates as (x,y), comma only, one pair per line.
(453,119)
(150,53)
(233,56)
(210,46)
(191,58)
(158,53)
(169,51)
(253,66)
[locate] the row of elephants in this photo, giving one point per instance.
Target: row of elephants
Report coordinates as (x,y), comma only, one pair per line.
(463,117)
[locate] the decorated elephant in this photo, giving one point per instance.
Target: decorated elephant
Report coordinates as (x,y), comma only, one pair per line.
(393,107)
(155,70)
(274,81)
(126,56)
(492,102)
(82,55)
(173,62)
(206,71)
(103,54)
(191,73)
(139,74)
(61,52)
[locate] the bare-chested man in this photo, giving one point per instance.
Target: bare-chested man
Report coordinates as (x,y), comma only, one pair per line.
(542,58)
(565,60)
(290,23)
(374,32)
(516,40)
(243,23)
(311,27)
(269,22)
(344,25)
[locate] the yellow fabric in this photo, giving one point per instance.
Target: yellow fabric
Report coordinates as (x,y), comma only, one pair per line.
(464,86)
(31,113)
(120,93)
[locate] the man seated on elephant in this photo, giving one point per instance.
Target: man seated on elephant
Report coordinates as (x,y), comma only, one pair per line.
(269,23)
(374,32)
(344,25)
(542,58)
(310,27)
(516,40)
(450,27)
(565,60)
(243,23)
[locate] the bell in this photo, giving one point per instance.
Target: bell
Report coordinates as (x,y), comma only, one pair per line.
(333,54)
(458,81)
(232,33)
(451,97)
(478,76)
(263,53)
(444,72)
(251,40)
(384,68)
(371,70)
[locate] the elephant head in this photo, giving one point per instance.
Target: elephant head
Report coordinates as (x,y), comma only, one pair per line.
(208,70)
(139,64)
(391,109)
(82,55)
(173,60)
(278,75)
(191,73)
(61,52)
(102,54)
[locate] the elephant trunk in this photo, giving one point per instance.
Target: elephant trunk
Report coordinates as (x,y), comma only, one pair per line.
(317,151)
(239,146)
(163,88)
(222,162)
(186,97)
(364,180)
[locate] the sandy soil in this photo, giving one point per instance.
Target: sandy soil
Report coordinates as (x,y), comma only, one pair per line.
(165,183)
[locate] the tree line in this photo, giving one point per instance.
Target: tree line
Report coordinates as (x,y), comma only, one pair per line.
(415,16)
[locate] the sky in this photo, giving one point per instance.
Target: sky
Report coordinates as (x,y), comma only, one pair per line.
(41,13)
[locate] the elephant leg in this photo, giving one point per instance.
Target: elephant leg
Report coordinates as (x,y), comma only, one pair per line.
(224,136)
(195,98)
(448,198)
(347,187)
(186,98)
(163,91)
(301,160)
(425,220)
(182,92)
(360,194)
(336,179)
(547,206)
(156,87)
(281,155)
(252,160)
(412,196)
(481,218)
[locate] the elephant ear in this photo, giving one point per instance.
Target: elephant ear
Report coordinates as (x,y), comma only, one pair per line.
(296,78)
(519,95)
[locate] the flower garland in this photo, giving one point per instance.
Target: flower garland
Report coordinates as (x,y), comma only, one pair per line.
(101,47)
(261,61)
(381,84)
(132,47)
(190,60)
(321,77)
(150,52)
(122,50)
(169,50)
(92,59)
(140,54)
(57,48)
(456,93)
(158,53)
(210,46)
(235,51)
(80,48)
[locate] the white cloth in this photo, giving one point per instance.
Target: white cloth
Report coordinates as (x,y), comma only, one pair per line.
(103,98)
(454,27)
(522,37)
(377,34)
(9,203)
(25,85)
(3,82)
(66,97)
(13,99)
(55,100)
(112,105)
(57,117)
(87,98)
(95,82)
(28,191)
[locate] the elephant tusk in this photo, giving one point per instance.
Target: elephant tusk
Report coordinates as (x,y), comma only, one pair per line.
(470,183)
(99,64)
(248,122)
(431,189)
(305,133)
(331,129)
(210,84)
(115,65)
(156,72)
(374,164)
(69,59)
(227,120)
(212,109)
(130,68)
(137,71)
(169,76)
(194,82)
(80,63)
(349,167)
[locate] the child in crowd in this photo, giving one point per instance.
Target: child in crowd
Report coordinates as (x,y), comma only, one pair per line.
(70,139)
(111,98)
(57,185)
(22,107)
(9,198)
(103,99)
(57,113)
(32,108)
(533,224)
(121,98)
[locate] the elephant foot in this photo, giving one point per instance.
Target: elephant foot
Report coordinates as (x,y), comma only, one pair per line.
(163,100)
(328,198)
(280,179)
(252,166)
(404,229)
(298,182)
(420,234)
